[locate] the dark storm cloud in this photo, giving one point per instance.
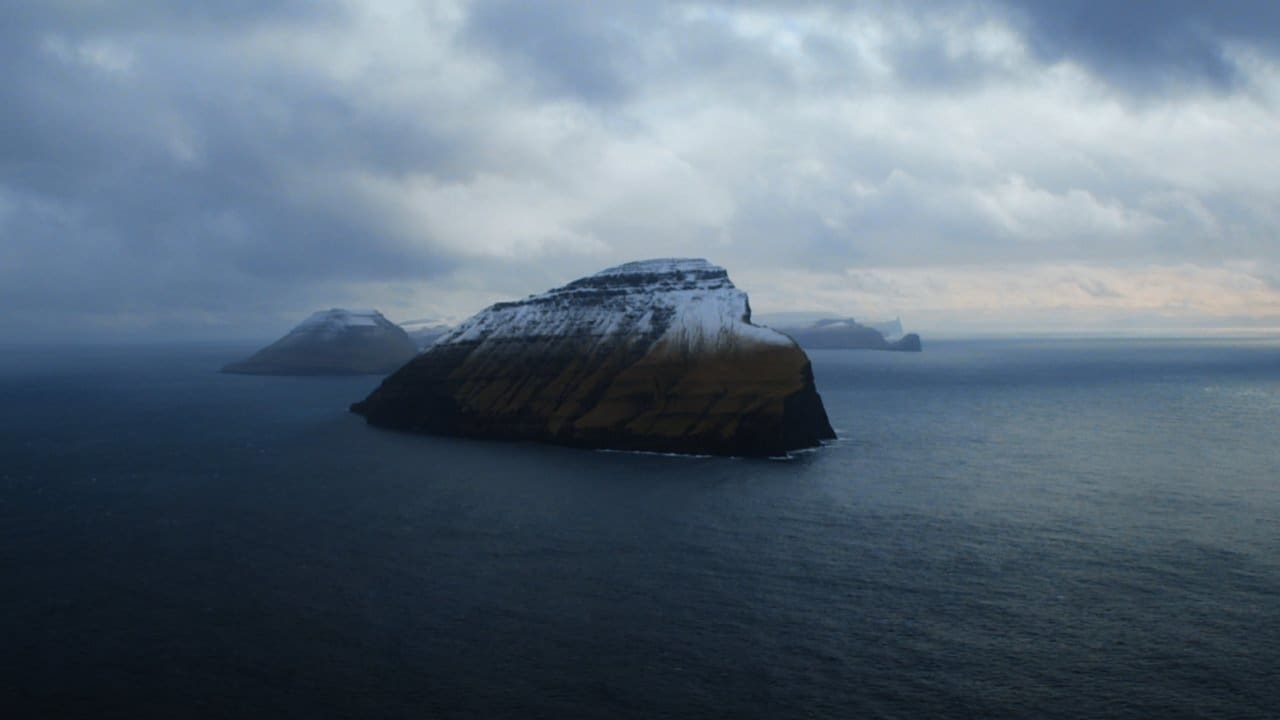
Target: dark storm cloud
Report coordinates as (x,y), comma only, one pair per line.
(228,158)
(1140,47)
(178,176)
(603,56)
(566,49)
(1150,46)
(141,15)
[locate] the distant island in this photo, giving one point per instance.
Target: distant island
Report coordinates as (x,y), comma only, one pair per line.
(333,342)
(848,334)
(659,355)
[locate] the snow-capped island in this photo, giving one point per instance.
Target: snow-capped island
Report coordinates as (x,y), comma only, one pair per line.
(333,342)
(658,355)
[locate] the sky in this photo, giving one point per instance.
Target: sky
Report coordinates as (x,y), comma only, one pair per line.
(221,169)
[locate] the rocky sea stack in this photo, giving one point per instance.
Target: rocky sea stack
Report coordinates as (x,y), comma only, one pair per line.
(333,342)
(657,355)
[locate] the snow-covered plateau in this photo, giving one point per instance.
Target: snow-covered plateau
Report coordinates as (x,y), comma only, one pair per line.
(687,305)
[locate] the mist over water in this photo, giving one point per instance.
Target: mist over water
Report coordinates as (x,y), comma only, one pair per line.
(1053,529)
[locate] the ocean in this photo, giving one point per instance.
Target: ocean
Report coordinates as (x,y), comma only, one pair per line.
(1005,529)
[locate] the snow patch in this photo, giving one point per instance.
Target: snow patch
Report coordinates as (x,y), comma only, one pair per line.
(331,322)
(660,266)
(690,304)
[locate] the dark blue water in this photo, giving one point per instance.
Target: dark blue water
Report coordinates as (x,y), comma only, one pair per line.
(1050,530)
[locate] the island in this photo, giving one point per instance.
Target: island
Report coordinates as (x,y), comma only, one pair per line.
(848,334)
(333,342)
(657,355)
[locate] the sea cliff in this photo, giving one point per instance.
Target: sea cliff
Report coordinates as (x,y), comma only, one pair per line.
(658,355)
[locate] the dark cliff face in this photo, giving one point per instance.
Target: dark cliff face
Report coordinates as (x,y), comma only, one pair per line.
(333,342)
(657,356)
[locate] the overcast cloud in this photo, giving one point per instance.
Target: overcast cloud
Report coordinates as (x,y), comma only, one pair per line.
(221,170)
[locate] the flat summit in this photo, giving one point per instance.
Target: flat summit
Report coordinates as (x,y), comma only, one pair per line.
(658,355)
(333,342)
